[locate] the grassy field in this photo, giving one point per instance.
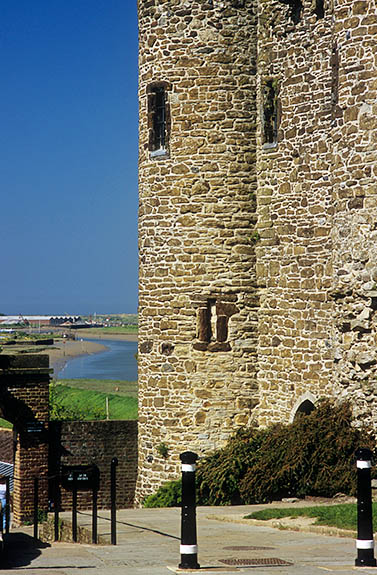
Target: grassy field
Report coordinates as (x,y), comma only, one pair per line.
(343,516)
(107,386)
(92,404)
(88,396)
(122,330)
(5,424)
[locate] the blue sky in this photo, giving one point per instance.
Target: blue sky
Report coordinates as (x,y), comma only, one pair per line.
(68,156)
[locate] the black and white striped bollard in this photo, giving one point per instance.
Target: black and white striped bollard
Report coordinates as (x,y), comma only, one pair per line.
(189,547)
(364,542)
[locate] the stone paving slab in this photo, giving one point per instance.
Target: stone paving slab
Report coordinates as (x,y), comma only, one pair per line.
(148,544)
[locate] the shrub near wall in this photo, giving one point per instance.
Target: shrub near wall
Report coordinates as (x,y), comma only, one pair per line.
(314,455)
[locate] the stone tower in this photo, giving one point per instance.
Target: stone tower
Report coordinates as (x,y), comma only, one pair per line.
(258,218)
(197,186)
(317,199)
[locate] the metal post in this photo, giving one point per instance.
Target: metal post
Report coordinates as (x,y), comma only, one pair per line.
(364,542)
(74,514)
(96,485)
(56,508)
(188,547)
(35,534)
(7,505)
(114,463)
(94,516)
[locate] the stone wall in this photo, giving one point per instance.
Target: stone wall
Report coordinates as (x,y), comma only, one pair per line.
(88,442)
(317,208)
(258,217)
(295,209)
(354,136)
(197,306)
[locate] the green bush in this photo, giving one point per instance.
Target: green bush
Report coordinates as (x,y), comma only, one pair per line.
(169,495)
(219,474)
(314,455)
(59,411)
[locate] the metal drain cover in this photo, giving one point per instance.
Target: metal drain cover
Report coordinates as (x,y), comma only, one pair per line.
(264,562)
(247,548)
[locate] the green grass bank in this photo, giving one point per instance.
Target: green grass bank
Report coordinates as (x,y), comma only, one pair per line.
(342,516)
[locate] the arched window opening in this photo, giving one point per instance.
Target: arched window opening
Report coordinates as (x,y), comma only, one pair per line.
(305,408)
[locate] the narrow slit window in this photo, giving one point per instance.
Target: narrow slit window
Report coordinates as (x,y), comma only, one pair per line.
(319,9)
(204,323)
(158,119)
(270,118)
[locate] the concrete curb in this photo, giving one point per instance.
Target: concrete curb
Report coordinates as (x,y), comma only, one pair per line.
(280,524)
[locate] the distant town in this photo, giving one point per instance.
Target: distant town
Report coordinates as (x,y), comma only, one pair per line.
(16,327)
(67,321)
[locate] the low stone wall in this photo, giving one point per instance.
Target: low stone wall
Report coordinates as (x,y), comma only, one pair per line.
(88,442)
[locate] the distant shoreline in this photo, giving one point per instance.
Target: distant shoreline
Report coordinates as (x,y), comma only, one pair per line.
(64,351)
(68,349)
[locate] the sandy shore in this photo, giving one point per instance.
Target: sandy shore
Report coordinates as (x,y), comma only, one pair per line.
(69,349)
(63,351)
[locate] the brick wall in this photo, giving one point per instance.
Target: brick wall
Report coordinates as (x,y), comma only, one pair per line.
(6,445)
(88,442)
(24,401)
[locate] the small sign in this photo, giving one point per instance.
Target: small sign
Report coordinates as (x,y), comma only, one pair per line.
(80,477)
(34,427)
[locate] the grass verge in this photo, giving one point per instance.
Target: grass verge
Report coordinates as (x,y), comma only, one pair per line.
(92,404)
(5,424)
(342,516)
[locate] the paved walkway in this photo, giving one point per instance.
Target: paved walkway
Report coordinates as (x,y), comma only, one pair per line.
(148,544)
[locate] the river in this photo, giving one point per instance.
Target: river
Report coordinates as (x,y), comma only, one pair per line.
(117,362)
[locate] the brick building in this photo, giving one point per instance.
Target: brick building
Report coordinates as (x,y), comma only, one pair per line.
(258,217)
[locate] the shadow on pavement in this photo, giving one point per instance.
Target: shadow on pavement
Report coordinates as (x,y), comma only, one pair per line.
(20,550)
(141,527)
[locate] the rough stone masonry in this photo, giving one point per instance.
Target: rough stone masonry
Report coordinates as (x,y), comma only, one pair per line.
(258,218)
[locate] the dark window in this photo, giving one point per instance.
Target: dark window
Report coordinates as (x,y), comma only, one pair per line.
(305,408)
(295,9)
(158,117)
(319,9)
(334,76)
(159,120)
(270,118)
(204,322)
(212,325)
